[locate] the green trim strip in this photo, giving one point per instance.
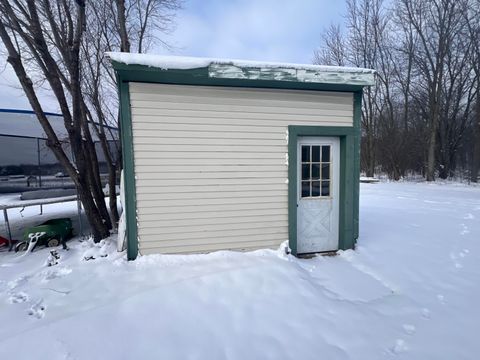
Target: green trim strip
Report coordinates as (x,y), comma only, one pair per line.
(347,180)
(357,118)
(128,169)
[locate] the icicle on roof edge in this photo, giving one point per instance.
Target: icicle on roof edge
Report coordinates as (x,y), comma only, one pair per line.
(252,70)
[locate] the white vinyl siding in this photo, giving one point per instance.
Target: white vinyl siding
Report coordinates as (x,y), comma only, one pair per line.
(210,162)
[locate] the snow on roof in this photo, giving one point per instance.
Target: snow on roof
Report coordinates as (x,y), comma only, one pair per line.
(186,62)
(252,70)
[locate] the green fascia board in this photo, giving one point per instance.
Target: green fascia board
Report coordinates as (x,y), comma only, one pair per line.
(201,77)
(128,169)
(348,159)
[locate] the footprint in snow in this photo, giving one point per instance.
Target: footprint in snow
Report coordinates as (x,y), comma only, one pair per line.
(37,310)
(454,258)
(462,254)
(426,313)
(18,298)
(17,282)
(399,347)
(409,329)
(469,216)
(465,230)
(53,273)
(441,298)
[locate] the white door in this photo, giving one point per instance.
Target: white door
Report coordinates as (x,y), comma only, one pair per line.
(318,194)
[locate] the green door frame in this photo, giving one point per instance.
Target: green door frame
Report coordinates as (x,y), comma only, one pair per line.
(348,216)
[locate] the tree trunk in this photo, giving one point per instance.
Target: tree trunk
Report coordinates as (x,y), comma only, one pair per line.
(112,190)
(96,186)
(432,141)
(444,161)
(431,156)
(98,226)
(370,156)
(122,23)
(112,172)
(79,172)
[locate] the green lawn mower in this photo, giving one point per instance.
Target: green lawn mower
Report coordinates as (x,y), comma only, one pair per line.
(51,233)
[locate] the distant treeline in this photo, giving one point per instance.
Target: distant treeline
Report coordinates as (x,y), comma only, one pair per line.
(423,114)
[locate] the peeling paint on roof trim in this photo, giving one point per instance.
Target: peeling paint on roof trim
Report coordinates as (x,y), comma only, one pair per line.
(231,71)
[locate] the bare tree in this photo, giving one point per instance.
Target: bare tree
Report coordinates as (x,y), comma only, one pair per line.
(98,89)
(456,106)
(334,49)
(420,116)
(62,44)
(51,37)
(126,25)
(366,25)
(436,23)
(472,15)
(139,22)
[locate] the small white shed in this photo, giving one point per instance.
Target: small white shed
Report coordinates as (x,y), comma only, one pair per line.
(239,155)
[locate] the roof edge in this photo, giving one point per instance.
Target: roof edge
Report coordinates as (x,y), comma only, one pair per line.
(244,70)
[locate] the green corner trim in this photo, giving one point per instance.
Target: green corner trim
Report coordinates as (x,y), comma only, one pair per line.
(348,159)
(128,169)
(357,118)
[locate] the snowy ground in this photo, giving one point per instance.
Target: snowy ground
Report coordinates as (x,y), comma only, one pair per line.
(410,291)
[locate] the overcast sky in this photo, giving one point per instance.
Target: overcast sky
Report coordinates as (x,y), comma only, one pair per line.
(270,30)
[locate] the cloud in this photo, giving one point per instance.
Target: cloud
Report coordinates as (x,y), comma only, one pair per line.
(12,95)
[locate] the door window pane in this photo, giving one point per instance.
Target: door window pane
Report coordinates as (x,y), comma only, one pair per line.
(315,153)
(305,188)
(325,188)
(315,171)
(315,188)
(326,153)
(325,171)
(305,171)
(305,153)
